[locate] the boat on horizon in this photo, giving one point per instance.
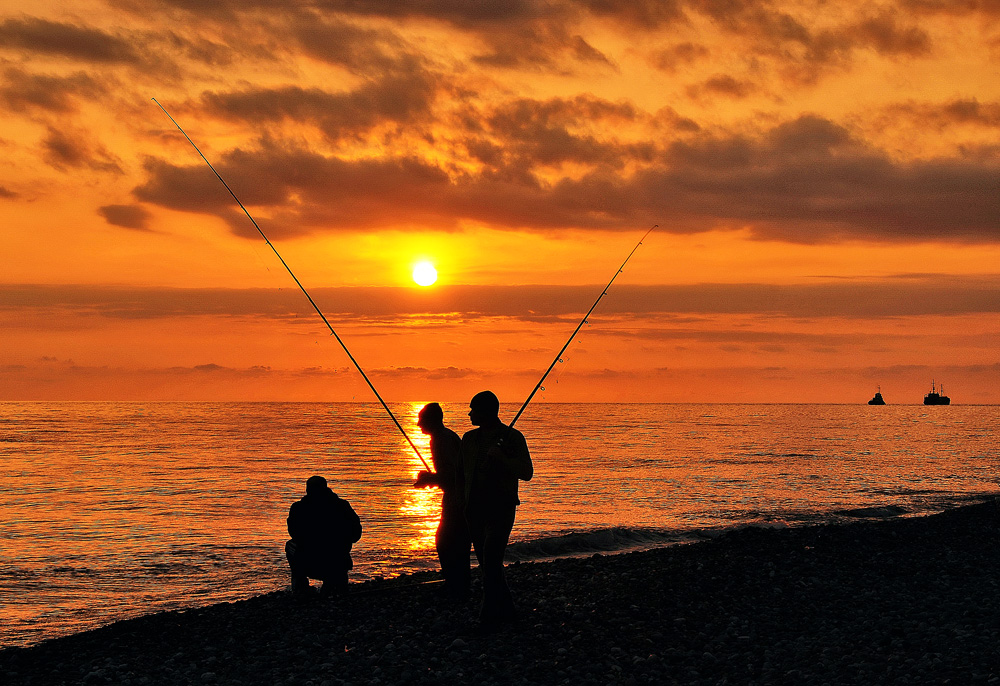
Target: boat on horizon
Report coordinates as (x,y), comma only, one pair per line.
(878,399)
(935,398)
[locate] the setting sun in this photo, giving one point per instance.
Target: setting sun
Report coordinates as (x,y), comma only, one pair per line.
(424,273)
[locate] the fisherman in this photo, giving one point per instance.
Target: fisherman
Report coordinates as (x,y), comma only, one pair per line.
(452,538)
(494,458)
(323,528)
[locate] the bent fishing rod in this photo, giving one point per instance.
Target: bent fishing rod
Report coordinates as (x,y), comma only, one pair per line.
(301,287)
(579,326)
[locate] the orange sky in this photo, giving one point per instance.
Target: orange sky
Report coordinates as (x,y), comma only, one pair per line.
(824,177)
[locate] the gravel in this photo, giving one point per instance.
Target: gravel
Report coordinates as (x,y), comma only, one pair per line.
(900,601)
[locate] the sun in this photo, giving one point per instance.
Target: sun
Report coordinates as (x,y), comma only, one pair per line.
(424,273)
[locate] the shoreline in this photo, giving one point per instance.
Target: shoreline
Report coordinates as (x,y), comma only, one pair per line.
(904,600)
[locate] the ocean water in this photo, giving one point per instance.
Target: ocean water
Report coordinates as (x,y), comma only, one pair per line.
(112,510)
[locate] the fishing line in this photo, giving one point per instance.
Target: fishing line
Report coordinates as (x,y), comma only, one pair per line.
(579,326)
(301,287)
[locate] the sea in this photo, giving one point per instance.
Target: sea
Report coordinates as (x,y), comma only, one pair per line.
(117,509)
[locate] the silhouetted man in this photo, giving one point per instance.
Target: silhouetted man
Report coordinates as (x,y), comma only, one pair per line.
(452,538)
(494,458)
(323,528)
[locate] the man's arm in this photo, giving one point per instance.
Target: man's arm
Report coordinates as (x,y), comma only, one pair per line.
(427,479)
(448,460)
(352,523)
(513,454)
(294,527)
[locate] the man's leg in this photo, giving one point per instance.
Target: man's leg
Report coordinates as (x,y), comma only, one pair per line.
(498,604)
(300,582)
(454,546)
(335,583)
(476,523)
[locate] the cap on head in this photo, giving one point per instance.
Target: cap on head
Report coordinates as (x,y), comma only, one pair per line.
(486,403)
(315,484)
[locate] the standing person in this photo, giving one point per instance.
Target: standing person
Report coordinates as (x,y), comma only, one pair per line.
(452,537)
(323,528)
(494,458)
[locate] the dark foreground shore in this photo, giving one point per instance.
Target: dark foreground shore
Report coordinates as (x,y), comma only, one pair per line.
(907,601)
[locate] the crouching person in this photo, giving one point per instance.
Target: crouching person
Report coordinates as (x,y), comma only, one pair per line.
(323,528)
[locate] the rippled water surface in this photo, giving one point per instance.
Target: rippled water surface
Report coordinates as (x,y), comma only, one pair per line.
(117,509)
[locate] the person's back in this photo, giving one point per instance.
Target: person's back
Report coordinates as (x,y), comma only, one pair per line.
(491,472)
(323,528)
(446,448)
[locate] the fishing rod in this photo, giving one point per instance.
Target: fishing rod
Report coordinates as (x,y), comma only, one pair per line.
(303,288)
(583,321)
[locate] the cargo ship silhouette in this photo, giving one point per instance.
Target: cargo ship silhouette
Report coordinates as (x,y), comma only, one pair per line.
(935,398)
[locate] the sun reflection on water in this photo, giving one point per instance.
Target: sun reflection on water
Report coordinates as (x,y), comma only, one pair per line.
(422,506)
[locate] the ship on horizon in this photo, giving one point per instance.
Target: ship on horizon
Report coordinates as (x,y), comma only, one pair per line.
(878,399)
(935,398)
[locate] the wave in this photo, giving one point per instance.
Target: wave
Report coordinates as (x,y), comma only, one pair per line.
(626,539)
(876,512)
(611,540)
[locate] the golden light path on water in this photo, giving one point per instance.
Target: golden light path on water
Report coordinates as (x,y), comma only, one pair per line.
(423,505)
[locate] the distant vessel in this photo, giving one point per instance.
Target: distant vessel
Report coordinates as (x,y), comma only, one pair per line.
(878,399)
(935,398)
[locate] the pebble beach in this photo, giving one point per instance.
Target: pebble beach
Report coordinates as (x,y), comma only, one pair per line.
(896,601)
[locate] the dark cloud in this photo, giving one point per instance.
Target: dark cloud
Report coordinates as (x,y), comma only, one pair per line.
(864,299)
(8,194)
(648,14)
(481,14)
(520,34)
(899,297)
(550,35)
(751,18)
(41,36)
(307,191)
(884,34)
(724,85)
(126,216)
(807,180)
(531,34)
(881,31)
(524,132)
(953,7)
(197,48)
(397,100)
(676,56)
(511,140)
(69,148)
(538,46)
(21,90)
(800,48)
(943,115)
(359,49)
